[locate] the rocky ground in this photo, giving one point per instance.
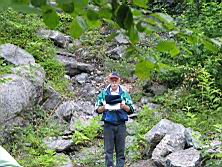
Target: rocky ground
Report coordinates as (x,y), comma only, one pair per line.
(168,144)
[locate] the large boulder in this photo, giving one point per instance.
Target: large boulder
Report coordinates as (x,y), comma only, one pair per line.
(17,94)
(59,38)
(75,113)
(184,158)
(74,67)
(33,73)
(157,133)
(15,55)
(169,144)
(167,138)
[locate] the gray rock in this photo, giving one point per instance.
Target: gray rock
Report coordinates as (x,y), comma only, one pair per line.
(58,144)
(59,38)
(154,88)
(122,39)
(157,133)
(169,144)
(93,155)
(79,121)
(85,107)
(144,100)
(215,147)
(16,95)
(74,108)
(143,163)
(117,52)
(81,78)
(184,158)
(130,141)
(132,154)
(35,74)
(53,99)
(192,138)
(73,67)
(66,161)
(153,106)
(66,110)
(15,55)
(7,127)
(158,89)
(132,127)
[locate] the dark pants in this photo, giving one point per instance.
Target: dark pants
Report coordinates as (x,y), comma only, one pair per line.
(114,137)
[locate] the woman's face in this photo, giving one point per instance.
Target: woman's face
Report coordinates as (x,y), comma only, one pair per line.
(114,83)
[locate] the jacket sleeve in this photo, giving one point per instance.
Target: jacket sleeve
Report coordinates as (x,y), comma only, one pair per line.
(100,100)
(129,102)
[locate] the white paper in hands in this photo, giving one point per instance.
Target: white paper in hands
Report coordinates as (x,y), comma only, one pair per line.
(112,107)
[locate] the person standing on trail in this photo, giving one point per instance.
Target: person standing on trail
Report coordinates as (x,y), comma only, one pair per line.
(115,103)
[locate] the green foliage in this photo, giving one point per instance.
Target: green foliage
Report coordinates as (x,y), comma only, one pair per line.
(169,47)
(86,133)
(21,30)
(4,67)
(27,145)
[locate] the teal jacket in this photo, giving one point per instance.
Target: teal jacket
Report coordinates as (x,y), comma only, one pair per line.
(115,116)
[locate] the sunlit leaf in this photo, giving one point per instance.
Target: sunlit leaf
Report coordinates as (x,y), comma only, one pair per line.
(141,26)
(92,13)
(38,3)
(210,45)
(50,17)
(80,5)
(167,20)
(168,46)
(141,3)
(105,12)
(100,2)
(124,17)
(133,35)
(144,69)
(77,27)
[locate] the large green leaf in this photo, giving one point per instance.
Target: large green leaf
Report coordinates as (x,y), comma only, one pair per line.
(77,27)
(210,45)
(144,69)
(50,17)
(66,5)
(92,13)
(124,17)
(38,3)
(133,35)
(168,46)
(80,5)
(141,3)
(105,12)
(100,2)
(166,20)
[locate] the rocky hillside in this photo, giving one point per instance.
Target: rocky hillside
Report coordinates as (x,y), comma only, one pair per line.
(47,124)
